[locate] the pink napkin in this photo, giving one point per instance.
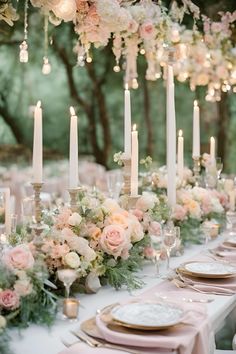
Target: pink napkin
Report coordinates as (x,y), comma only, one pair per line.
(190,338)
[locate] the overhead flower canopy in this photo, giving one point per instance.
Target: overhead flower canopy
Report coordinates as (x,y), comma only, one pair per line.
(204,57)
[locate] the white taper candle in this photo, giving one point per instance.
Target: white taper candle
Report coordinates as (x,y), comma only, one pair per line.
(73,161)
(38,145)
(134,162)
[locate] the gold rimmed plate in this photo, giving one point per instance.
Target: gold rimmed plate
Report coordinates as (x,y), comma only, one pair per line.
(148,316)
(209,270)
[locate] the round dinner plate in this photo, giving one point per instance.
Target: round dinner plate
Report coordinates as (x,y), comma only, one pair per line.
(231,241)
(147,316)
(209,269)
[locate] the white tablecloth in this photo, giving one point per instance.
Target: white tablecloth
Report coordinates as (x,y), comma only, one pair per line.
(41,340)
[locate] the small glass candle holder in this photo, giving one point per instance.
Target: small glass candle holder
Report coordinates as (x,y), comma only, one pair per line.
(71,308)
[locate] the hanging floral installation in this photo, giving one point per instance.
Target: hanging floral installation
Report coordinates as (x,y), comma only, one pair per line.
(205,58)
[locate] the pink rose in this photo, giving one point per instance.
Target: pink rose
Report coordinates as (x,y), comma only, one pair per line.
(9,299)
(138,213)
(62,219)
(147,30)
(148,252)
(154,228)
(180,212)
(19,257)
(115,241)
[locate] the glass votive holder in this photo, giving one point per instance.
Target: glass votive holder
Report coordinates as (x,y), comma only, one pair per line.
(71,308)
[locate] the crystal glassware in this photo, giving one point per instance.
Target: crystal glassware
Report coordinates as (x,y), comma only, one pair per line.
(114,183)
(169,241)
(219,166)
(67,277)
(156,244)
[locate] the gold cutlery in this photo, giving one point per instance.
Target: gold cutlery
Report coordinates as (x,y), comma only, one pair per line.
(95,343)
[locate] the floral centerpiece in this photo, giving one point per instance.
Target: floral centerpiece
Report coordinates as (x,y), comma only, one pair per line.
(101,241)
(194,206)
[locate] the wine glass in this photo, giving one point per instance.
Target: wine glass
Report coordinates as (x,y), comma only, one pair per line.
(114,183)
(156,244)
(67,277)
(219,166)
(169,241)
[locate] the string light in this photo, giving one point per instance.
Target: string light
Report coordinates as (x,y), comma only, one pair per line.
(24,55)
(46,69)
(116,69)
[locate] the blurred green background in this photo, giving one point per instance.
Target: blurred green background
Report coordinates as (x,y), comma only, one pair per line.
(96,92)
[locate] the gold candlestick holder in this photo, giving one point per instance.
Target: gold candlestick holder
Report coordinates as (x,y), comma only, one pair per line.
(196,169)
(38,227)
(37,202)
(73,198)
(126,174)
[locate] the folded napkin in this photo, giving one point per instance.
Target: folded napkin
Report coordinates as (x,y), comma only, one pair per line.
(190,337)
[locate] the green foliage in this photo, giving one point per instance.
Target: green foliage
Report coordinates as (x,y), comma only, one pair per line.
(4,343)
(190,231)
(121,272)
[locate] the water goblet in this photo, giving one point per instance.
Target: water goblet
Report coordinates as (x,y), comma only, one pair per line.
(169,241)
(114,183)
(67,277)
(219,166)
(156,244)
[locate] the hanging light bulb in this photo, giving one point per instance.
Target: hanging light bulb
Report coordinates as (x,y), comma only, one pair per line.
(24,55)
(46,69)
(116,68)
(135,84)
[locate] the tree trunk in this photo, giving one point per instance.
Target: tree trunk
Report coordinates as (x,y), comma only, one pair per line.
(11,122)
(147,118)
(223,124)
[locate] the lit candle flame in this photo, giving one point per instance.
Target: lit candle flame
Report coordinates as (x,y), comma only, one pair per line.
(38,104)
(212,138)
(126,86)
(134,127)
(195,103)
(72,111)
(180,132)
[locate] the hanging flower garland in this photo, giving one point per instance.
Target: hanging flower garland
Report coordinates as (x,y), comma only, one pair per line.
(205,58)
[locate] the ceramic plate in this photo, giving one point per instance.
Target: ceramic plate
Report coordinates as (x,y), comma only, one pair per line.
(231,241)
(148,316)
(209,269)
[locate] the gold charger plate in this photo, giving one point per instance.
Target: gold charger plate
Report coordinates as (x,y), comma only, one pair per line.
(185,271)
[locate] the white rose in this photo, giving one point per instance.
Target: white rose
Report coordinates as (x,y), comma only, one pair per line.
(72,260)
(110,205)
(23,287)
(135,230)
(75,219)
(146,202)
(3,322)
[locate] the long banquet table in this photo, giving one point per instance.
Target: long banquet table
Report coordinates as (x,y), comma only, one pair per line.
(41,340)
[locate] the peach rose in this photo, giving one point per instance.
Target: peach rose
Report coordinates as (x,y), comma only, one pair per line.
(18,257)
(114,241)
(59,251)
(117,219)
(62,219)
(179,212)
(9,299)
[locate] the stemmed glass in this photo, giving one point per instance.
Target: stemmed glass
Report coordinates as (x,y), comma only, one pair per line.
(67,277)
(156,244)
(219,166)
(169,241)
(114,183)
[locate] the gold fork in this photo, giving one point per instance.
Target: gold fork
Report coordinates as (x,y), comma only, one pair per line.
(94,343)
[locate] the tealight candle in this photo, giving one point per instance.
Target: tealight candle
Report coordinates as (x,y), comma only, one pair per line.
(71,307)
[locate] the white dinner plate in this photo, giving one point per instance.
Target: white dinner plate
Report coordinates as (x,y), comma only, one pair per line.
(209,269)
(231,241)
(148,316)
